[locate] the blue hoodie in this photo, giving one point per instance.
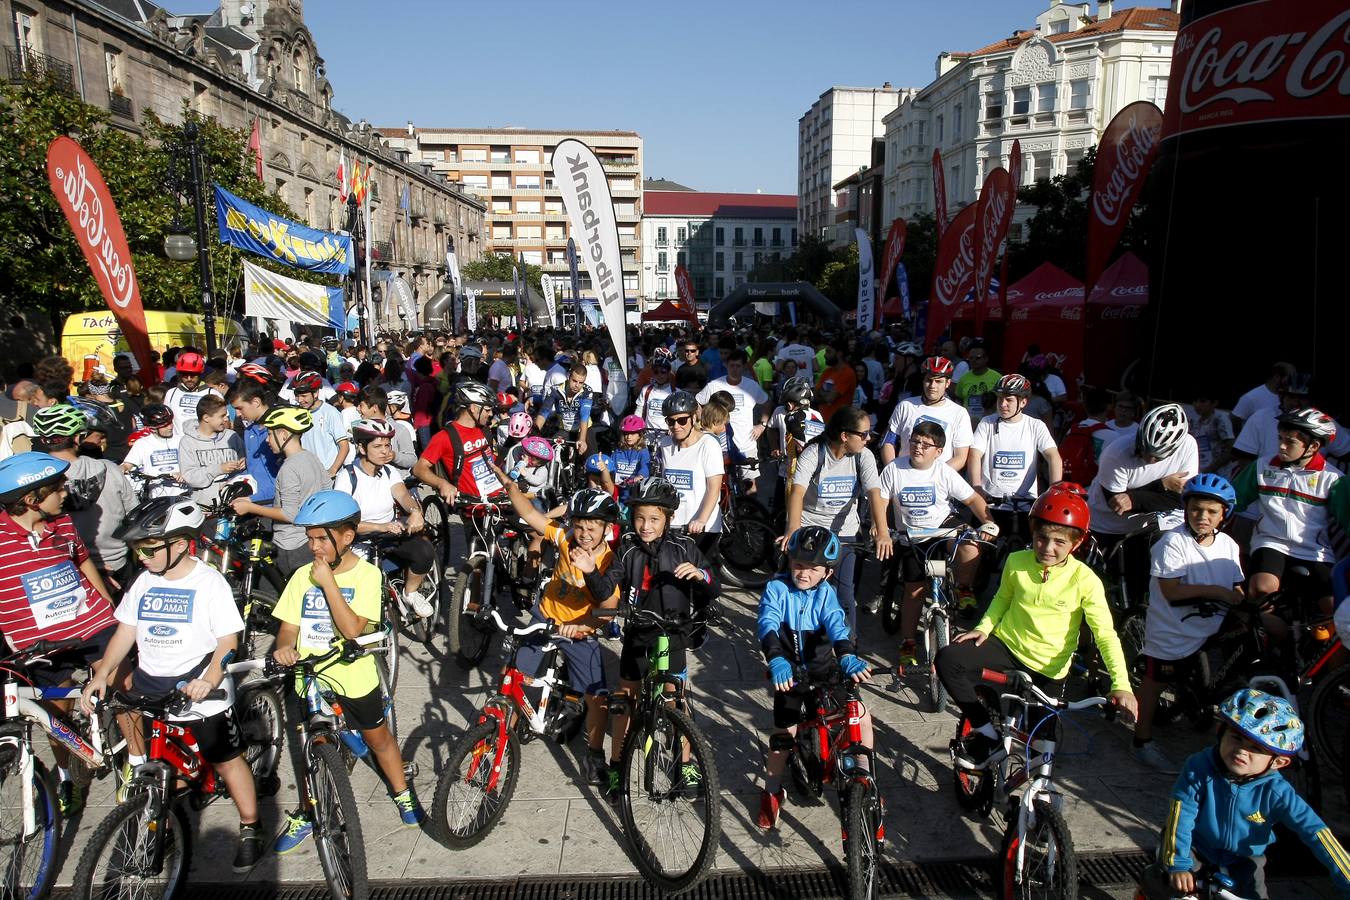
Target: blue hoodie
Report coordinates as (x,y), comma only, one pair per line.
(1221,820)
(793,623)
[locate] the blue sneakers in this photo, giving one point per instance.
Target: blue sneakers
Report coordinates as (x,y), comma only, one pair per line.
(409,810)
(297,829)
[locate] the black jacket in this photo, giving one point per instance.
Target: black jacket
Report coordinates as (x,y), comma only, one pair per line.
(645,576)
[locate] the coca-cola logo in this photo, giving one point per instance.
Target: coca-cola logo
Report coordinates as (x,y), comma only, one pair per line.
(1071,313)
(1262,61)
(1021,314)
(1120,312)
(1068,293)
(1134,153)
(956,259)
(1130,290)
(84,198)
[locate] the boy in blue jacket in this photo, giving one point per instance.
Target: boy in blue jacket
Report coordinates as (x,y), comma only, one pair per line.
(800,622)
(1229,798)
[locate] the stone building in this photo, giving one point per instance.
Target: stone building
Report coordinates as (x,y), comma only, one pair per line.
(247,62)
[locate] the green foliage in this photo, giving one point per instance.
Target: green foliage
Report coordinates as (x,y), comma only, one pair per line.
(41,265)
(498,267)
(839,279)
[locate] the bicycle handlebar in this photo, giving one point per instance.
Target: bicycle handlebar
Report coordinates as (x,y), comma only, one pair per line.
(1021,682)
(41,648)
(173,703)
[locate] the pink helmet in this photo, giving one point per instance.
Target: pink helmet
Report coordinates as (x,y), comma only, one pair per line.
(520,425)
(538,448)
(631,424)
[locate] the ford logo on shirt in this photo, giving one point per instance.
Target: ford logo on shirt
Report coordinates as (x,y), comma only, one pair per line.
(322,627)
(923,495)
(63,602)
(162,630)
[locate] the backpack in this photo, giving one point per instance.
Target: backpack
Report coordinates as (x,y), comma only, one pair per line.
(1078,452)
(456,444)
(16,435)
(84,493)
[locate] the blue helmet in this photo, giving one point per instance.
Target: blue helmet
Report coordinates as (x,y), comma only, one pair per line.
(1215,487)
(327,508)
(814,546)
(595,459)
(24,472)
(1268,720)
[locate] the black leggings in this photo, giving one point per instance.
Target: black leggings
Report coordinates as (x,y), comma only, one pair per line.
(959,666)
(415,553)
(707,543)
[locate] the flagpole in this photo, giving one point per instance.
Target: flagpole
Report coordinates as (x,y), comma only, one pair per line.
(366,204)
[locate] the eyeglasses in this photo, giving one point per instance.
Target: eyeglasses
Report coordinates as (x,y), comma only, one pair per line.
(922,445)
(147,552)
(680,420)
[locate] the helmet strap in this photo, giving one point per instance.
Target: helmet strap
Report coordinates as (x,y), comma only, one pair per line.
(337,559)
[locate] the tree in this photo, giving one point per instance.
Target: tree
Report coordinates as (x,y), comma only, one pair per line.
(499,267)
(41,264)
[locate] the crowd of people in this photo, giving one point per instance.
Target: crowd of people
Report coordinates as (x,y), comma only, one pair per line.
(866,448)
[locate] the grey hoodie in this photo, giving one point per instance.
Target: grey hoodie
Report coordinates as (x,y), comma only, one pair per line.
(200,459)
(96,512)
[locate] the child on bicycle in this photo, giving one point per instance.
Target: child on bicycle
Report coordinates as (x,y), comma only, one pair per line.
(338,595)
(156,452)
(800,624)
(1033,622)
(632,460)
(663,571)
(180,617)
(568,601)
(1229,798)
(1192,563)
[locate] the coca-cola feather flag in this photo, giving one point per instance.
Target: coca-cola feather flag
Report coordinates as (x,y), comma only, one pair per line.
(1124,155)
(895,248)
(993,215)
(939,194)
(954,271)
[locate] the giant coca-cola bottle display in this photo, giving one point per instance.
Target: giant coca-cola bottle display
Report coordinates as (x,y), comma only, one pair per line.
(1251,199)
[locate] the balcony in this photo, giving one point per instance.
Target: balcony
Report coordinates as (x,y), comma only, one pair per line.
(417,214)
(440,217)
(662,242)
(120,105)
(758,242)
(382,251)
(738,267)
(738,242)
(776,242)
(28,63)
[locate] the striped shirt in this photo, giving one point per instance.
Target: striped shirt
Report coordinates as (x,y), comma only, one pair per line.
(43,593)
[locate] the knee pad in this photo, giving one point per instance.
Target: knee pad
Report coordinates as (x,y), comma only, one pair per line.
(781,741)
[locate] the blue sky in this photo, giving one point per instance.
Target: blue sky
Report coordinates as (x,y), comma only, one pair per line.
(714,88)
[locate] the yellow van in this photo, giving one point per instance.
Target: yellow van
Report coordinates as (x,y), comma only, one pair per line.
(96,334)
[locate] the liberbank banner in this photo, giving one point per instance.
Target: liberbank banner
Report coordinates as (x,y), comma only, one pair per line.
(258,231)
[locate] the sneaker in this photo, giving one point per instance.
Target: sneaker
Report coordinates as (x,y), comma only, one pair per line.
(594,770)
(691,780)
(613,783)
(297,829)
(409,810)
(124,781)
(70,798)
(250,848)
(770,805)
(974,751)
(419,602)
(966,603)
(909,655)
(1149,755)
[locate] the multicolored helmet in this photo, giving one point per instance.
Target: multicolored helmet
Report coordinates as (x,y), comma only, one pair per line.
(814,545)
(59,420)
(366,430)
(1013,385)
(654,491)
(1162,431)
(1268,720)
(938,367)
(1312,422)
(589,503)
(307,383)
(538,448)
(156,415)
(594,461)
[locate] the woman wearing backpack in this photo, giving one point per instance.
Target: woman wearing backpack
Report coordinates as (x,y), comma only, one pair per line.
(834,472)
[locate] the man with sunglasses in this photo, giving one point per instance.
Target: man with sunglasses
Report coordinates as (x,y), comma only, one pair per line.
(651,398)
(691,373)
(691,460)
(456,460)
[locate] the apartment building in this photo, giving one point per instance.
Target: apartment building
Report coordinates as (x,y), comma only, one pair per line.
(509,170)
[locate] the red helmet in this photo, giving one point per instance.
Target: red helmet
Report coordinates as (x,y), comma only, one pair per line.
(190,363)
(505,400)
(307,383)
(347,389)
(1063,504)
(258,373)
(939,366)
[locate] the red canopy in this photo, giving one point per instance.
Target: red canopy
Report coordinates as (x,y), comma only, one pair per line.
(1045,308)
(669,312)
(893,307)
(1114,314)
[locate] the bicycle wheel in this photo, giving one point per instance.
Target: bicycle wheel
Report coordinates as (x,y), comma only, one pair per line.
(386,659)
(804,765)
(469,636)
(387,696)
(337,824)
(1049,866)
(864,834)
(671,809)
(466,808)
(27,856)
(937,635)
(749,552)
(437,520)
(119,860)
(261,718)
(1328,719)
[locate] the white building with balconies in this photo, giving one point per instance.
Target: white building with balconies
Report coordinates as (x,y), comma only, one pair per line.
(1054,87)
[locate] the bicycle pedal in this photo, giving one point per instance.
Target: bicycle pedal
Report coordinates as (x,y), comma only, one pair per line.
(411,770)
(893,686)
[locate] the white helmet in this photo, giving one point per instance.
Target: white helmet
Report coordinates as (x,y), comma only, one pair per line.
(397,400)
(1161,431)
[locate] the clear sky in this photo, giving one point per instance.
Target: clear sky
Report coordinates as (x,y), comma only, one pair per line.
(714,88)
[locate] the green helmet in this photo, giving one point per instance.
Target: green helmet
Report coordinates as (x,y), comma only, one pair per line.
(61,420)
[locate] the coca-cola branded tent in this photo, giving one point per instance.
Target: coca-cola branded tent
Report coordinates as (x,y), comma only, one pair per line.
(669,312)
(1046,309)
(1112,339)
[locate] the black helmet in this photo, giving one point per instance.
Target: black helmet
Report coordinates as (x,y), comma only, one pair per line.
(679,403)
(162,517)
(814,545)
(468,393)
(156,415)
(653,491)
(798,390)
(589,503)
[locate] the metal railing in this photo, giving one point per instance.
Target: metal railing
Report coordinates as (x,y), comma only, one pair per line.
(26,62)
(119,105)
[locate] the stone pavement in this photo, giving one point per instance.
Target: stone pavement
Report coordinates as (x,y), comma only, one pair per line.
(555,826)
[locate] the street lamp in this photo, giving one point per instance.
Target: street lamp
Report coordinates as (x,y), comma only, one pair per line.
(179,243)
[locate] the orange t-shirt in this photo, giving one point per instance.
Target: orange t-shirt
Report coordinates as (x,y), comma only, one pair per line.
(845,384)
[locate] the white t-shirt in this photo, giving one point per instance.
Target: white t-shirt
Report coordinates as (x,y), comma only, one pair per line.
(802,355)
(554,377)
(350,416)
(155,455)
(1122,431)
(952,416)
(184,406)
(1119,470)
(500,372)
(594,380)
(1011,451)
(1260,434)
(650,398)
(1055,385)
(1259,397)
(688,470)
(921,498)
(748,394)
(1168,634)
(373,493)
(534,378)
(179,622)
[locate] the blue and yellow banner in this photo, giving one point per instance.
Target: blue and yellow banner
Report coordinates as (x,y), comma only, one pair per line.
(256,230)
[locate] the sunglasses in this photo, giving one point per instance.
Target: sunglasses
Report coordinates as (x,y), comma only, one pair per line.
(690,349)
(147,552)
(680,420)
(861,435)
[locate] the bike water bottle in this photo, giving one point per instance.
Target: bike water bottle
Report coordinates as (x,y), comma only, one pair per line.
(355,743)
(224,528)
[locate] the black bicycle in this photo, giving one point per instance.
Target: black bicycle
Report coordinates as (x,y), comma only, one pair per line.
(240,548)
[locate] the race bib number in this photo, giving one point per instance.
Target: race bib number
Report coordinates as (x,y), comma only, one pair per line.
(811,428)
(625,468)
(682,479)
(835,492)
(165,604)
(316,624)
(1008,467)
(164,460)
(55,594)
(485,478)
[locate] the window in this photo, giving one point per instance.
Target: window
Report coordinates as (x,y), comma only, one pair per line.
(556,233)
(738,238)
(627,232)
(298,71)
(533,232)
(923,126)
(526,156)
(309,208)
(778,237)
(625,209)
(25,32)
(956,121)
(719,260)
(993,105)
(955,182)
(661,239)
(662,261)
(529,182)
(1157,90)
(681,235)
(501,155)
(1059,26)
(738,261)
(528,206)
(1044,166)
(553,208)
(556,257)
(500,207)
(475,154)
(476,181)
(112,62)
(621,184)
(794,237)
(721,287)
(630,283)
(1021,101)
(1046,95)
(501,182)
(661,290)
(501,232)
(533,257)
(1078,94)
(938,129)
(759,237)
(1071,160)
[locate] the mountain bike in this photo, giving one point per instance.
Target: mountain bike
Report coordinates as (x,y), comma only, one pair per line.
(668,788)
(240,549)
(480,775)
(144,846)
(1210,884)
(827,750)
(749,545)
(493,562)
(1036,858)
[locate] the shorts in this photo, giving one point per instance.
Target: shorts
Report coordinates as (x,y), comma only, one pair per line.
(911,560)
(68,662)
(416,553)
(585,669)
(1169,671)
(1273,562)
(633,658)
(790,707)
(219,736)
(288,562)
(363,713)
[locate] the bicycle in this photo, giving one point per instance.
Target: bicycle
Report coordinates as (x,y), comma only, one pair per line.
(146,840)
(480,775)
(149,486)
(240,550)
(749,544)
(1037,856)
(1210,884)
(668,783)
(419,628)
(31,825)
(1110,565)
(826,752)
(493,561)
